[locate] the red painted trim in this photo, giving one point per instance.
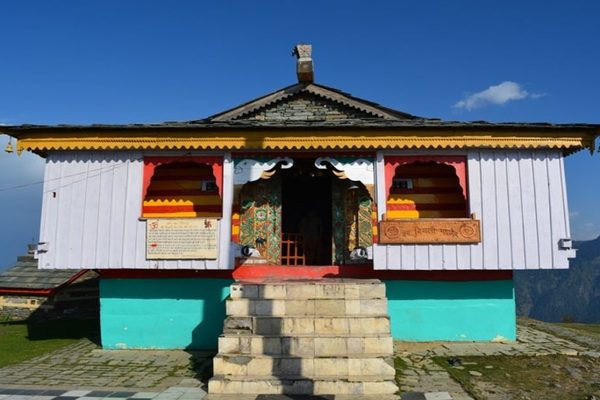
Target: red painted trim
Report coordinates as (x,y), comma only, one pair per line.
(428,190)
(150,164)
(44,292)
(265,272)
(271,272)
(426,207)
(163,273)
(172,209)
(459,163)
(39,292)
(179,192)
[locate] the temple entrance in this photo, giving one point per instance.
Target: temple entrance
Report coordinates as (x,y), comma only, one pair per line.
(306,214)
(304,211)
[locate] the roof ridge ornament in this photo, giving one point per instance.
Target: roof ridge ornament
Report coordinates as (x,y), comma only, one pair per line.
(304,66)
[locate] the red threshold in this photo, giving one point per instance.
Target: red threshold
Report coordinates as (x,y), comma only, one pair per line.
(280,272)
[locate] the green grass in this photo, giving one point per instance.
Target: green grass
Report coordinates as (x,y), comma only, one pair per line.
(543,377)
(399,365)
(20,340)
(587,329)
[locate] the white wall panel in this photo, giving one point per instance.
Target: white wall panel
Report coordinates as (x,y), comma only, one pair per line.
(92,204)
(520,198)
(91,214)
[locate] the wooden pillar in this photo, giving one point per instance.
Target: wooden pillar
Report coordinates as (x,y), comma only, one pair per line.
(225,224)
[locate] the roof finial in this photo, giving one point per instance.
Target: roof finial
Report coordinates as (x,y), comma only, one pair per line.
(304,66)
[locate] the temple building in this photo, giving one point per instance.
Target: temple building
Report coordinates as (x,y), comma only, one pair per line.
(307,185)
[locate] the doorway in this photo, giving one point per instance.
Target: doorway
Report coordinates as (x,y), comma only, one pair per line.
(306,214)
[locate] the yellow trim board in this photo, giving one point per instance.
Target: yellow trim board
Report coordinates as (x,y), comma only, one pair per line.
(302,140)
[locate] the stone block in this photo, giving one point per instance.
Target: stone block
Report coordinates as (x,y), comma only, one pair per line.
(302,387)
(384,387)
(228,344)
(260,387)
(332,326)
(247,291)
(368,325)
(373,307)
(301,292)
(266,345)
(353,307)
(331,367)
(261,366)
(245,344)
(238,324)
(272,291)
(355,345)
(224,366)
(298,346)
(379,345)
(299,307)
(239,307)
(338,387)
(215,385)
(372,291)
(330,291)
(376,367)
(352,291)
(269,326)
(294,366)
(334,346)
(270,307)
(330,307)
(298,326)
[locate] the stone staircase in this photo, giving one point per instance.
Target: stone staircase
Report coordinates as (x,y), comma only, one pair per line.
(306,337)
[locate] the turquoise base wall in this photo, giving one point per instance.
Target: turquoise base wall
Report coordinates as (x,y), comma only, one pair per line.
(162,313)
(452,311)
(189,313)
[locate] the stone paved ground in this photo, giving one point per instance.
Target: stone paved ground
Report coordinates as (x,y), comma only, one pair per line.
(85,372)
(84,366)
(423,379)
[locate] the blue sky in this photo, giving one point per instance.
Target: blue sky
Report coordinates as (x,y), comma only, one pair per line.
(149,61)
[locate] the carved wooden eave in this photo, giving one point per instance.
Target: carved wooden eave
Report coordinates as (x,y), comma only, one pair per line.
(330,120)
(569,140)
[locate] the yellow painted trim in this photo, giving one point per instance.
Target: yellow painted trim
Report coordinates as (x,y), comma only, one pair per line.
(183,201)
(424,198)
(181,215)
(410,214)
(302,140)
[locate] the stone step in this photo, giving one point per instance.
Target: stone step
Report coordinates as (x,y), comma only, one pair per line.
(308,325)
(282,366)
(307,346)
(255,396)
(301,385)
(320,307)
(301,290)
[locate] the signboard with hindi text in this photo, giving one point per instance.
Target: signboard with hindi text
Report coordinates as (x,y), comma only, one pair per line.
(429,231)
(181,238)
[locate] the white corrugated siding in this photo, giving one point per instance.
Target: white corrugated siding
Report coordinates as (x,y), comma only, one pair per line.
(91,209)
(520,198)
(92,204)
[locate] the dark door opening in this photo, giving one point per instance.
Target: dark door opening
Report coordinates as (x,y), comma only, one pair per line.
(306,214)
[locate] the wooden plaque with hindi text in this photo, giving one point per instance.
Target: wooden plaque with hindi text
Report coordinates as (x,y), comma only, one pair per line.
(181,238)
(430,231)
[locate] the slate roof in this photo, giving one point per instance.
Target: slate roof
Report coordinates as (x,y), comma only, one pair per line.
(26,275)
(333,95)
(368,116)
